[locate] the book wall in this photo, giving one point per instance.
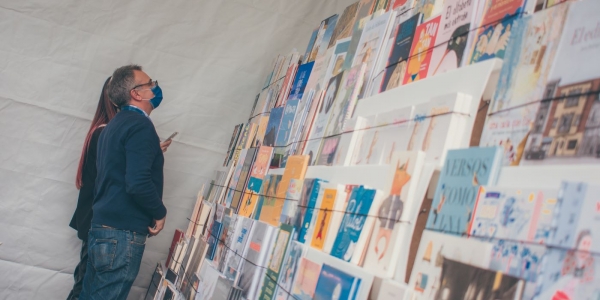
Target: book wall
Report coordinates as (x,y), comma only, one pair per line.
(320,191)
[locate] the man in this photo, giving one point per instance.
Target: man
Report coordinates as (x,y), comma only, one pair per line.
(128,199)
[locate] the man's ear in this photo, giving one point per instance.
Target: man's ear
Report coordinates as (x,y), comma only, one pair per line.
(135,95)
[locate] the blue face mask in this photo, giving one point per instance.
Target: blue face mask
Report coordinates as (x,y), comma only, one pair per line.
(158,96)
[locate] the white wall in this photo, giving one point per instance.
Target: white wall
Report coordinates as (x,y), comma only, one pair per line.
(210,58)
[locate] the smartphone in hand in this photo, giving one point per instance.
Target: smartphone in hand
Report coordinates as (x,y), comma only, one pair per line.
(172,136)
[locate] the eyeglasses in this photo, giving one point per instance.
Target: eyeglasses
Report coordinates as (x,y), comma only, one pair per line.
(152,84)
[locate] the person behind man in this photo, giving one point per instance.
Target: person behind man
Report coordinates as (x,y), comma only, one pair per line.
(128,203)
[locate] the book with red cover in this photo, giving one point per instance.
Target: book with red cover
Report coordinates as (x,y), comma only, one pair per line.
(177,236)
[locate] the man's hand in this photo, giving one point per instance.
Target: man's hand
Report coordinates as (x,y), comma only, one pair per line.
(158,226)
(164,145)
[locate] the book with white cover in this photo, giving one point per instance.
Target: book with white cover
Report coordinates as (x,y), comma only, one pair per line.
(390,242)
(337,214)
(433,248)
(352,133)
(238,250)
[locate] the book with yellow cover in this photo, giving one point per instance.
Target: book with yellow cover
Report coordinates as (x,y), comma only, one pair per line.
(294,169)
(323,218)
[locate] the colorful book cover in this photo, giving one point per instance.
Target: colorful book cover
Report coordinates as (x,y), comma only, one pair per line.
(428,8)
(337,58)
(230,190)
(292,196)
(494,31)
(397,212)
(459,280)
(297,91)
(343,108)
(434,247)
(398,56)
(363,15)
(213,239)
(224,238)
(372,41)
(327,152)
(312,195)
(240,187)
(261,164)
(337,215)
(421,50)
(284,132)
(307,127)
(234,256)
(306,279)
(343,27)
(273,126)
(289,269)
(298,218)
(327,24)
(569,130)
(250,197)
(513,213)
(336,284)
(353,232)
(269,286)
(519,259)
(463,172)
(324,113)
(453,36)
(286,85)
(266,205)
(310,46)
(330,25)
(256,259)
(263,123)
(323,218)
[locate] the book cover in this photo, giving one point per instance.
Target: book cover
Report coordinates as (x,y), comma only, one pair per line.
(336,60)
(434,247)
(231,187)
(568,133)
(300,81)
(224,241)
(344,25)
(261,164)
(351,136)
(421,50)
(336,284)
(398,211)
(494,30)
(330,25)
(235,255)
(363,15)
(338,213)
(371,43)
(399,53)
(428,8)
(325,111)
(311,209)
(310,46)
(177,237)
(267,201)
(298,218)
(306,279)
(328,150)
(263,122)
(307,127)
(289,269)
(213,239)
(240,187)
(286,85)
(459,280)
(285,130)
(250,197)
(222,288)
(207,281)
(324,217)
(292,196)
(356,225)
(343,108)
(269,286)
(256,259)
(463,172)
(273,126)
(326,26)
(457,21)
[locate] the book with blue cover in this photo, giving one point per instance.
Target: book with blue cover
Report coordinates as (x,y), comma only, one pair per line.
(213,239)
(463,172)
(284,132)
(352,236)
(273,126)
(335,284)
(311,210)
(300,81)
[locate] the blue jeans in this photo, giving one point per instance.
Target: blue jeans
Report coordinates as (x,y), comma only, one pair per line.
(114,258)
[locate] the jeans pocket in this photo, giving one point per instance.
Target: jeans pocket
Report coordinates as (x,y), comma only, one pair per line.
(102,254)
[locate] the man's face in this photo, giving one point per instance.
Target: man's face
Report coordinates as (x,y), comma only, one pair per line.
(143,92)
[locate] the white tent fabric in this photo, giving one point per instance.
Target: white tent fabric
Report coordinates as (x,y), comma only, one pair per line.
(210,57)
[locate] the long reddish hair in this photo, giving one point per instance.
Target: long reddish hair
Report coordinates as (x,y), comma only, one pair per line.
(105,111)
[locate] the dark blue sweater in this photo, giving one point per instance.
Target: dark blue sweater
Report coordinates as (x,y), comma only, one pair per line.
(129,183)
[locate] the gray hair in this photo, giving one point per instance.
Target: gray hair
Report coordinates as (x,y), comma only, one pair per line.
(121,84)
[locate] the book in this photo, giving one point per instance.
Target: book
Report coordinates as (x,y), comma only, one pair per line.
(494,29)
(326,154)
(283,135)
(310,46)
(269,286)
(326,209)
(286,86)
(322,39)
(352,237)
(429,8)
(234,257)
(434,247)
(363,15)
(251,273)
(337,215)
(326,109)
(399,52)
(336,60)
(230,190)
(307,127)
(463,172)
(344,25)
(452,42)
(300,81)
(306,279)
(207,281)
(289,269)
(391,290)
(222,289)
(351,135)
(266,205)
(568,133)
(397,214)
(421,50)
(343,108)
(225,238)
(336,284)
(459,280)
(273,126)
(240,187)
(251,197)
(177,237)
(263,122)
(261,164)
(298,217)
(311,194)
(290,205)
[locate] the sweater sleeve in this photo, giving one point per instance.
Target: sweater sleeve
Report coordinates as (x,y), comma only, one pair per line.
(140,153)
